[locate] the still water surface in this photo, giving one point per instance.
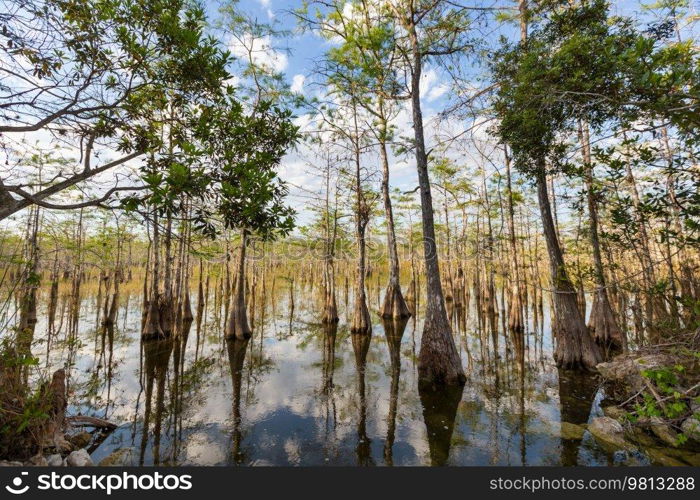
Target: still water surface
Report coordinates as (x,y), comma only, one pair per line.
(299,393)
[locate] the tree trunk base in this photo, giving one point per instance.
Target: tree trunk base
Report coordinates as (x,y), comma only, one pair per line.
(187,308)
(167,318)
(394,305)
(602,323)
(361,321)
(330,312)
(237,325)
(439,362)
(151,326)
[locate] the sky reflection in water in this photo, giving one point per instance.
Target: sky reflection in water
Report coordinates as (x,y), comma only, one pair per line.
(287,397)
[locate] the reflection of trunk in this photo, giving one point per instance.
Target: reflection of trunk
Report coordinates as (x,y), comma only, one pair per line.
(236,356)
(575,347)
(330,331)
(237,324)
(439,361)
(576,395)
(394,305)
(439,413)
(522,417)
(155,368)
(602,321)
(393,330)
(360,345)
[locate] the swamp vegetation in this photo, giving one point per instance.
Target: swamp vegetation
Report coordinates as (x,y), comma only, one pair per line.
(203,264)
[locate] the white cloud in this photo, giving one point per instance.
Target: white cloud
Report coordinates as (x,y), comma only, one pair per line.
(437,92)
(431,87)
(260,51)
(298,84)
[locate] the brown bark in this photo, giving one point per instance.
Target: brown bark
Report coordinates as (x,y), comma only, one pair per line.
(394,305)
(575,347)
(361,321)
(602,321)
(237,323)
(330,307)
(515,307)
(439,361)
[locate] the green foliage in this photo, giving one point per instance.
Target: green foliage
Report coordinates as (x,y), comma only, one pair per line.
(580,64)
(666,380)
(243,151)
(23,411)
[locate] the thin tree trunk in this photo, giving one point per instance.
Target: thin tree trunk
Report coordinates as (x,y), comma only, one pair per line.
(515,310)
(602,322)
(394,304)
(361,321)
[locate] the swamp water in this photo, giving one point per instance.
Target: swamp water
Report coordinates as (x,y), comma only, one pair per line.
(301,393)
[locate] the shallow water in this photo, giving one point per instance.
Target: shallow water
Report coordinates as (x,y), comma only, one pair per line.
(299,393)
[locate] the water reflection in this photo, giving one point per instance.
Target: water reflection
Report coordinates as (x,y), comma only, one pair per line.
(360,346)
(393,332)
(439,413)
(299,392)
(156,358)
(576,395)
(236,357)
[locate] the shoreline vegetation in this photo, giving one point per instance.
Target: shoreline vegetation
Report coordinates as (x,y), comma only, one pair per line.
(520,182)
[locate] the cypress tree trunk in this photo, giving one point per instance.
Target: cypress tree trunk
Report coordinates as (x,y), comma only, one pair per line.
(394,305)
(655,308)
(361,322)
(438,361)
(515,307)
(237,324)
(575,347)
(330,308)
(602,322)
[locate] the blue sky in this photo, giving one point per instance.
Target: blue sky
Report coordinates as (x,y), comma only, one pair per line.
(296,55)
